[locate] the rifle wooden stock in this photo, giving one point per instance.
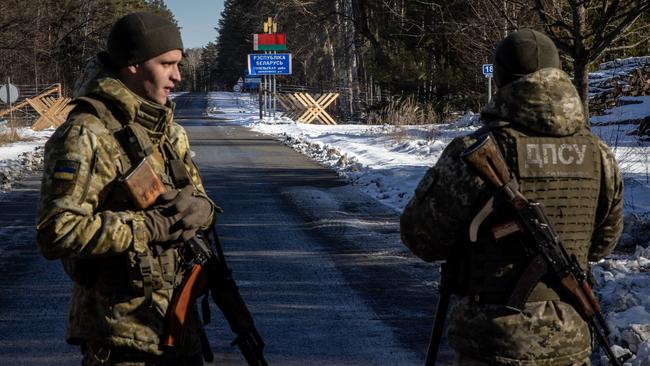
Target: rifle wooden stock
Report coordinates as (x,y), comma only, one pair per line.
(485,158)
(590,296)
(192,287)
(583,298)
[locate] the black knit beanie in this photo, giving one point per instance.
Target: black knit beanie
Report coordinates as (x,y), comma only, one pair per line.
(138,37)
(522,53)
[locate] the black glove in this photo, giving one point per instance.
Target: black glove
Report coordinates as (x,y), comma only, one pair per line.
(197,214)
(161,226)
(177,201)
(163,221)
(195,209)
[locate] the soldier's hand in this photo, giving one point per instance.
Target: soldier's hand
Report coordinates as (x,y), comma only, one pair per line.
(177,201)
(161,226)
(197,214)
(177,216)
(195,210)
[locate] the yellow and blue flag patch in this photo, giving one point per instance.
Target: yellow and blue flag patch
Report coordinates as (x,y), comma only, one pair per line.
(66,170)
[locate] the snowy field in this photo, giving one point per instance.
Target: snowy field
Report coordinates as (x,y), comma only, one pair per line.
(387,162)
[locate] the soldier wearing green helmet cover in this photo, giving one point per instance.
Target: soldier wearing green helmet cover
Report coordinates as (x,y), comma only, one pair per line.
(537,120)
(124,260)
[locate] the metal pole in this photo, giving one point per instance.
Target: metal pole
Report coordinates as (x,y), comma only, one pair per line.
(489,88)
(11,113)
(259,98)
(267,95)
(275,90)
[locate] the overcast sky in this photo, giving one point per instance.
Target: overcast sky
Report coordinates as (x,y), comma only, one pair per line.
(197,19)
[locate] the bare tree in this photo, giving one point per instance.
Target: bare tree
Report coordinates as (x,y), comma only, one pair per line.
(191,68)
(585,29)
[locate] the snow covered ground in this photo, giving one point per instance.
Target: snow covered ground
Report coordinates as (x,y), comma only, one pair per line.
(22,157)
(387,162)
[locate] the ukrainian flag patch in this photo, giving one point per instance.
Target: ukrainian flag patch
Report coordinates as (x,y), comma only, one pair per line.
(66,170)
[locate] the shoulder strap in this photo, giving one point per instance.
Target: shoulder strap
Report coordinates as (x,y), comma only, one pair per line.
(99,109)
(106,115)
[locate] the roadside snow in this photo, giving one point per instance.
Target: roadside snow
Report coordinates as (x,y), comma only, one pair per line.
(32,139)
(631,109)
(22,157)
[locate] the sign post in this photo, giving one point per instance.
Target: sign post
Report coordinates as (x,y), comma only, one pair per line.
(9,94)
(487,72)
(270,42)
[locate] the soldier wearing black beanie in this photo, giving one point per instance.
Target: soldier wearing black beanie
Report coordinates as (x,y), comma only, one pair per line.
(120,250)
(522,53)
(138,37)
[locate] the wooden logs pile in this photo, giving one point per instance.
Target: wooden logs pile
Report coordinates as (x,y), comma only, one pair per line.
(614,79)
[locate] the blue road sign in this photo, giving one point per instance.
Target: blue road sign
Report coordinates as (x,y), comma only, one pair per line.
(487,70)
(269,64)
(252,82)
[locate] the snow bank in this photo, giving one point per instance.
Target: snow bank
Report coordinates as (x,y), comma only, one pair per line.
(22,157)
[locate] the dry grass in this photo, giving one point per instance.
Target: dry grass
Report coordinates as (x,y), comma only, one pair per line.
(11,135)
(405,111)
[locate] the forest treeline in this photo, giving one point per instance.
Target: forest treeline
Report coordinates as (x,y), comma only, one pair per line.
(429,50)
(50,41)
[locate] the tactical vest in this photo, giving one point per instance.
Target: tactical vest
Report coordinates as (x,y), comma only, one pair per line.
(155,268)
(561,173)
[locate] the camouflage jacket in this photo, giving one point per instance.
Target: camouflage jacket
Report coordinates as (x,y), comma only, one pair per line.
(87,220)
(542,105)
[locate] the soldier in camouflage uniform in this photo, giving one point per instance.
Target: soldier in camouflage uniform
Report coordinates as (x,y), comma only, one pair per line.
(124,261)
(537,120)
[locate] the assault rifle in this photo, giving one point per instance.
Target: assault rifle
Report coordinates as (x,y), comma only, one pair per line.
(208,271)
(544,245)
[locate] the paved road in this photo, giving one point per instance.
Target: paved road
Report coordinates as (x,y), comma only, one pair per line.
(320,266)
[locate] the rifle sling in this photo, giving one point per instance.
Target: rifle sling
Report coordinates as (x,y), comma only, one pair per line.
(532,275)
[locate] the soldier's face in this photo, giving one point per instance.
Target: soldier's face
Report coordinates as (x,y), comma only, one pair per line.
(155,78)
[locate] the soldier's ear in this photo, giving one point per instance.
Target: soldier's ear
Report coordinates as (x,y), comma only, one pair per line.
(132,69)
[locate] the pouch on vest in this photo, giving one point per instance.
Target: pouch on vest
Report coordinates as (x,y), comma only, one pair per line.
(143,185)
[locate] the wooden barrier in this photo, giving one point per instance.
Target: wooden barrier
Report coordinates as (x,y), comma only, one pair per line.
(52,107)
(53,112)
(305,109)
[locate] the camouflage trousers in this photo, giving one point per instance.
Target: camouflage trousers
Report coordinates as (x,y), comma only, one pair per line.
(96,355)
(464,360)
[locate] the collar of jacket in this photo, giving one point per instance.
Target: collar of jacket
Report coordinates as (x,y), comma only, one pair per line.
(152,116)
(100,81)
(545,102)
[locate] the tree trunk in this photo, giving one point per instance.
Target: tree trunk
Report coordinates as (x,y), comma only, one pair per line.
(580,57)
(329,51)
(581,81)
